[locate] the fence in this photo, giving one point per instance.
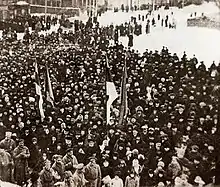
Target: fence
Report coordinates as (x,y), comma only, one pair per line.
(203,22)
(55,10)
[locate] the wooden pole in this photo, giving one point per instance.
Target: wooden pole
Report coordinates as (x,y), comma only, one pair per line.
(45,8)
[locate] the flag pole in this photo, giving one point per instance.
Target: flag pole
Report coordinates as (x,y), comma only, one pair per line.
(106,104)
(123,95)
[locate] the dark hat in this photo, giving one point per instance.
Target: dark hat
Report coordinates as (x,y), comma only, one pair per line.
(21,140)
(69,149)
(91,140)
(34,139)
(117,173)
(195,147)
(92,158)
(68,138)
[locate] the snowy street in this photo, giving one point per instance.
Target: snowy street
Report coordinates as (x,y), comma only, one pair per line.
(203,42)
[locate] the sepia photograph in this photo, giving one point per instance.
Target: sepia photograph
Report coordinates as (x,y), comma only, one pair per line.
(109,93)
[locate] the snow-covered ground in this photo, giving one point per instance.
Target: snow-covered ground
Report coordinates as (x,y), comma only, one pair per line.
(203,42)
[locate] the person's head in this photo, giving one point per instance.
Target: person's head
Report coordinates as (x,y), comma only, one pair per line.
(111,131)
(26,131)
(139,112)
(8,135)
(21,142)
(68,140)
(160,164)
(91,143)
(214,129)
(198,180)
(59,159)
(54,138)
(138,139)
(106,163)
(196,161)
(158,145)
(202,119)
(195,148)
(150,173)
(20,124)
(34,140)
(132,174)
(181,110)
(188,128)
(92,160)
(178,181)
(151,130)
(117,174)
(115,156)
(44,156)
(70,152)
(160,184)
(174,129)
(211,148)
(121,147)
(169,125)
(59,146)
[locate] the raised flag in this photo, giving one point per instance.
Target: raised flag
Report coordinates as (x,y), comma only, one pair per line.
(38,92)
(110,91)
(48,88)
(123,96)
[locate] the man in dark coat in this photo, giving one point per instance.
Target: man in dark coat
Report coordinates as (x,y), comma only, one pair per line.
(93,173)
(130,40)
(35,154)
(21,154)
(70,161)
(48,175)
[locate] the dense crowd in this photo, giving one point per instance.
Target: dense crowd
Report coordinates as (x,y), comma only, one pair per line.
(170,136)
(21,23)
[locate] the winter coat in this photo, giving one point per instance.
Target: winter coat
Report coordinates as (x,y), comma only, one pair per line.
(93,175)
(5,166)
(79,179)
(59,168)
(130,41)
(173,169)
(21,155)
(131,182)
(70,162)
(47,177)
(8,145)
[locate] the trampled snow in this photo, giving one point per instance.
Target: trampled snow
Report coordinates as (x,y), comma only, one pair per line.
(203,42)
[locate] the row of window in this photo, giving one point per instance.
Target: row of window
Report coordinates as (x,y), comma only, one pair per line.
(54,3)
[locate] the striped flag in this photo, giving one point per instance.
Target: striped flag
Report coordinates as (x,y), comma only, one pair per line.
(110,90)
(38,92)
(123,96)
(48,88)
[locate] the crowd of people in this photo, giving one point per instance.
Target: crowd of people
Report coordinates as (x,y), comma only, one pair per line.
(170,136)
(20,23)
(142,24)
